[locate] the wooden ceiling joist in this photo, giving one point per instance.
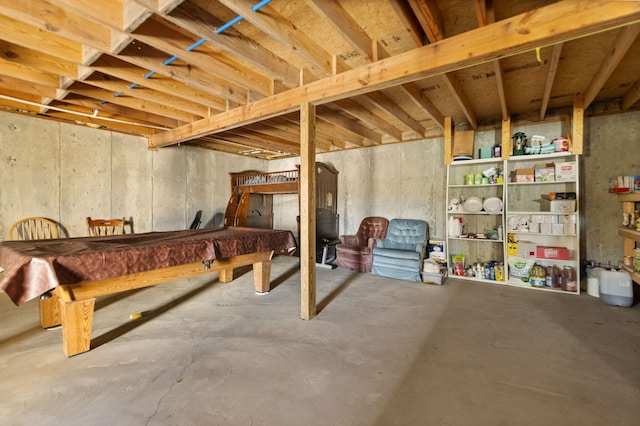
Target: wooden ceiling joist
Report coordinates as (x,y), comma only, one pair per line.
(453,53)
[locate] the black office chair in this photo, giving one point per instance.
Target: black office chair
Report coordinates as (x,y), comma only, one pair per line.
(196,220)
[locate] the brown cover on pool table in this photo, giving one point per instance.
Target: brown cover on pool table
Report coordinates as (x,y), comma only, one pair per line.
(35,267)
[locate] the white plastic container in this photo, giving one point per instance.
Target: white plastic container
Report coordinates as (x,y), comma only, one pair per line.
(616,288)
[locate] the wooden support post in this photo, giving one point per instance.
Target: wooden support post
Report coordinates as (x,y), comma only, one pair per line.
(576,140)
(77,320)
(507,141)
(307,211)
(448,140)
(50,311)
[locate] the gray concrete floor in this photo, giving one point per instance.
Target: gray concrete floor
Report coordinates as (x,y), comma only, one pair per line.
(380,352)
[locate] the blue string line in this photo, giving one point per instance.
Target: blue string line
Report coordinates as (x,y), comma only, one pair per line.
(171,59)
(219,30)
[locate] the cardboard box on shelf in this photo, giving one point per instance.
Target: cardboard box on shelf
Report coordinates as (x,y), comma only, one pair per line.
(557,253)
(558,206)
(569,228)
(524,175)
(545,228)
(544,172)
(463,143)
(526,249)
(557,228)
(566,171)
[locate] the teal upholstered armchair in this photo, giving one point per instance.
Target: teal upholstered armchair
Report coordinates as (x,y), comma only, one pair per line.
(401,253)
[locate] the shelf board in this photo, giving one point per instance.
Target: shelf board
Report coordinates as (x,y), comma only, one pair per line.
(555,182)
(628,233)
(493,185)
(514,212)
(635,276)
(486,240)
(541,259)
(541,234)
(555,290)
(482,213)
(479,280)
(630,197)
(476,161)
(539,156)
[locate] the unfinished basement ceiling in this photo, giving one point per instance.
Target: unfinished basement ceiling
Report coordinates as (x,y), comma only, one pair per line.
(229,75)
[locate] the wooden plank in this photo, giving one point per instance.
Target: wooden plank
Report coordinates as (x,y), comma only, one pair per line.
(383,101)
(430,18)
(415,94)
(31,75)
(271,22)
(203,23)
(576,141)
(161,114)
(618,50)
(41,40)
(116,85)
(507,141)
(509,37)
(448,140)
(61,21)
(631,97)
(554,61)
(142,55)
(452,82)
(345,25)
(307,212)
(111,65)
(167,39)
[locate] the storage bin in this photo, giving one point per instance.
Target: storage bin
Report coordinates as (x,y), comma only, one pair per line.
(433,278)
(616,288)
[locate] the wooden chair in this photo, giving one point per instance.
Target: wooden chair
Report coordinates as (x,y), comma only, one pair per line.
(34,228)
(103,227)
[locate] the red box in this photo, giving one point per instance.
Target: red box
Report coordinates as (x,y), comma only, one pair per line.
(559,253)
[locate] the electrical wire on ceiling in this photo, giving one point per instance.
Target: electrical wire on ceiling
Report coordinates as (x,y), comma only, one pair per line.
(82,114)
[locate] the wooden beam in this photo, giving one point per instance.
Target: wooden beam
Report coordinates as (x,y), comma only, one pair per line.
(414,93)
(162,36)
(551,75)
(430,18)
(307,211)
(271,22)
(576,141)
(619,48)
(203,23)
(452,82)
(115,85)
(64,22)
(632,96)
(111,65)
(448,140)
(344,24)
(508,37)
(507,141)
(150,58)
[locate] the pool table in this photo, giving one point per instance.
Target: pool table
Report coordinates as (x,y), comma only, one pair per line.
(68,274)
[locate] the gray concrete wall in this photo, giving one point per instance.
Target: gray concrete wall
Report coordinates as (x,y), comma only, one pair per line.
(68,172)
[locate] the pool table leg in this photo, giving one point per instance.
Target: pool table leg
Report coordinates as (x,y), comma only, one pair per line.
(50,311)
(77,320)
(262,276)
